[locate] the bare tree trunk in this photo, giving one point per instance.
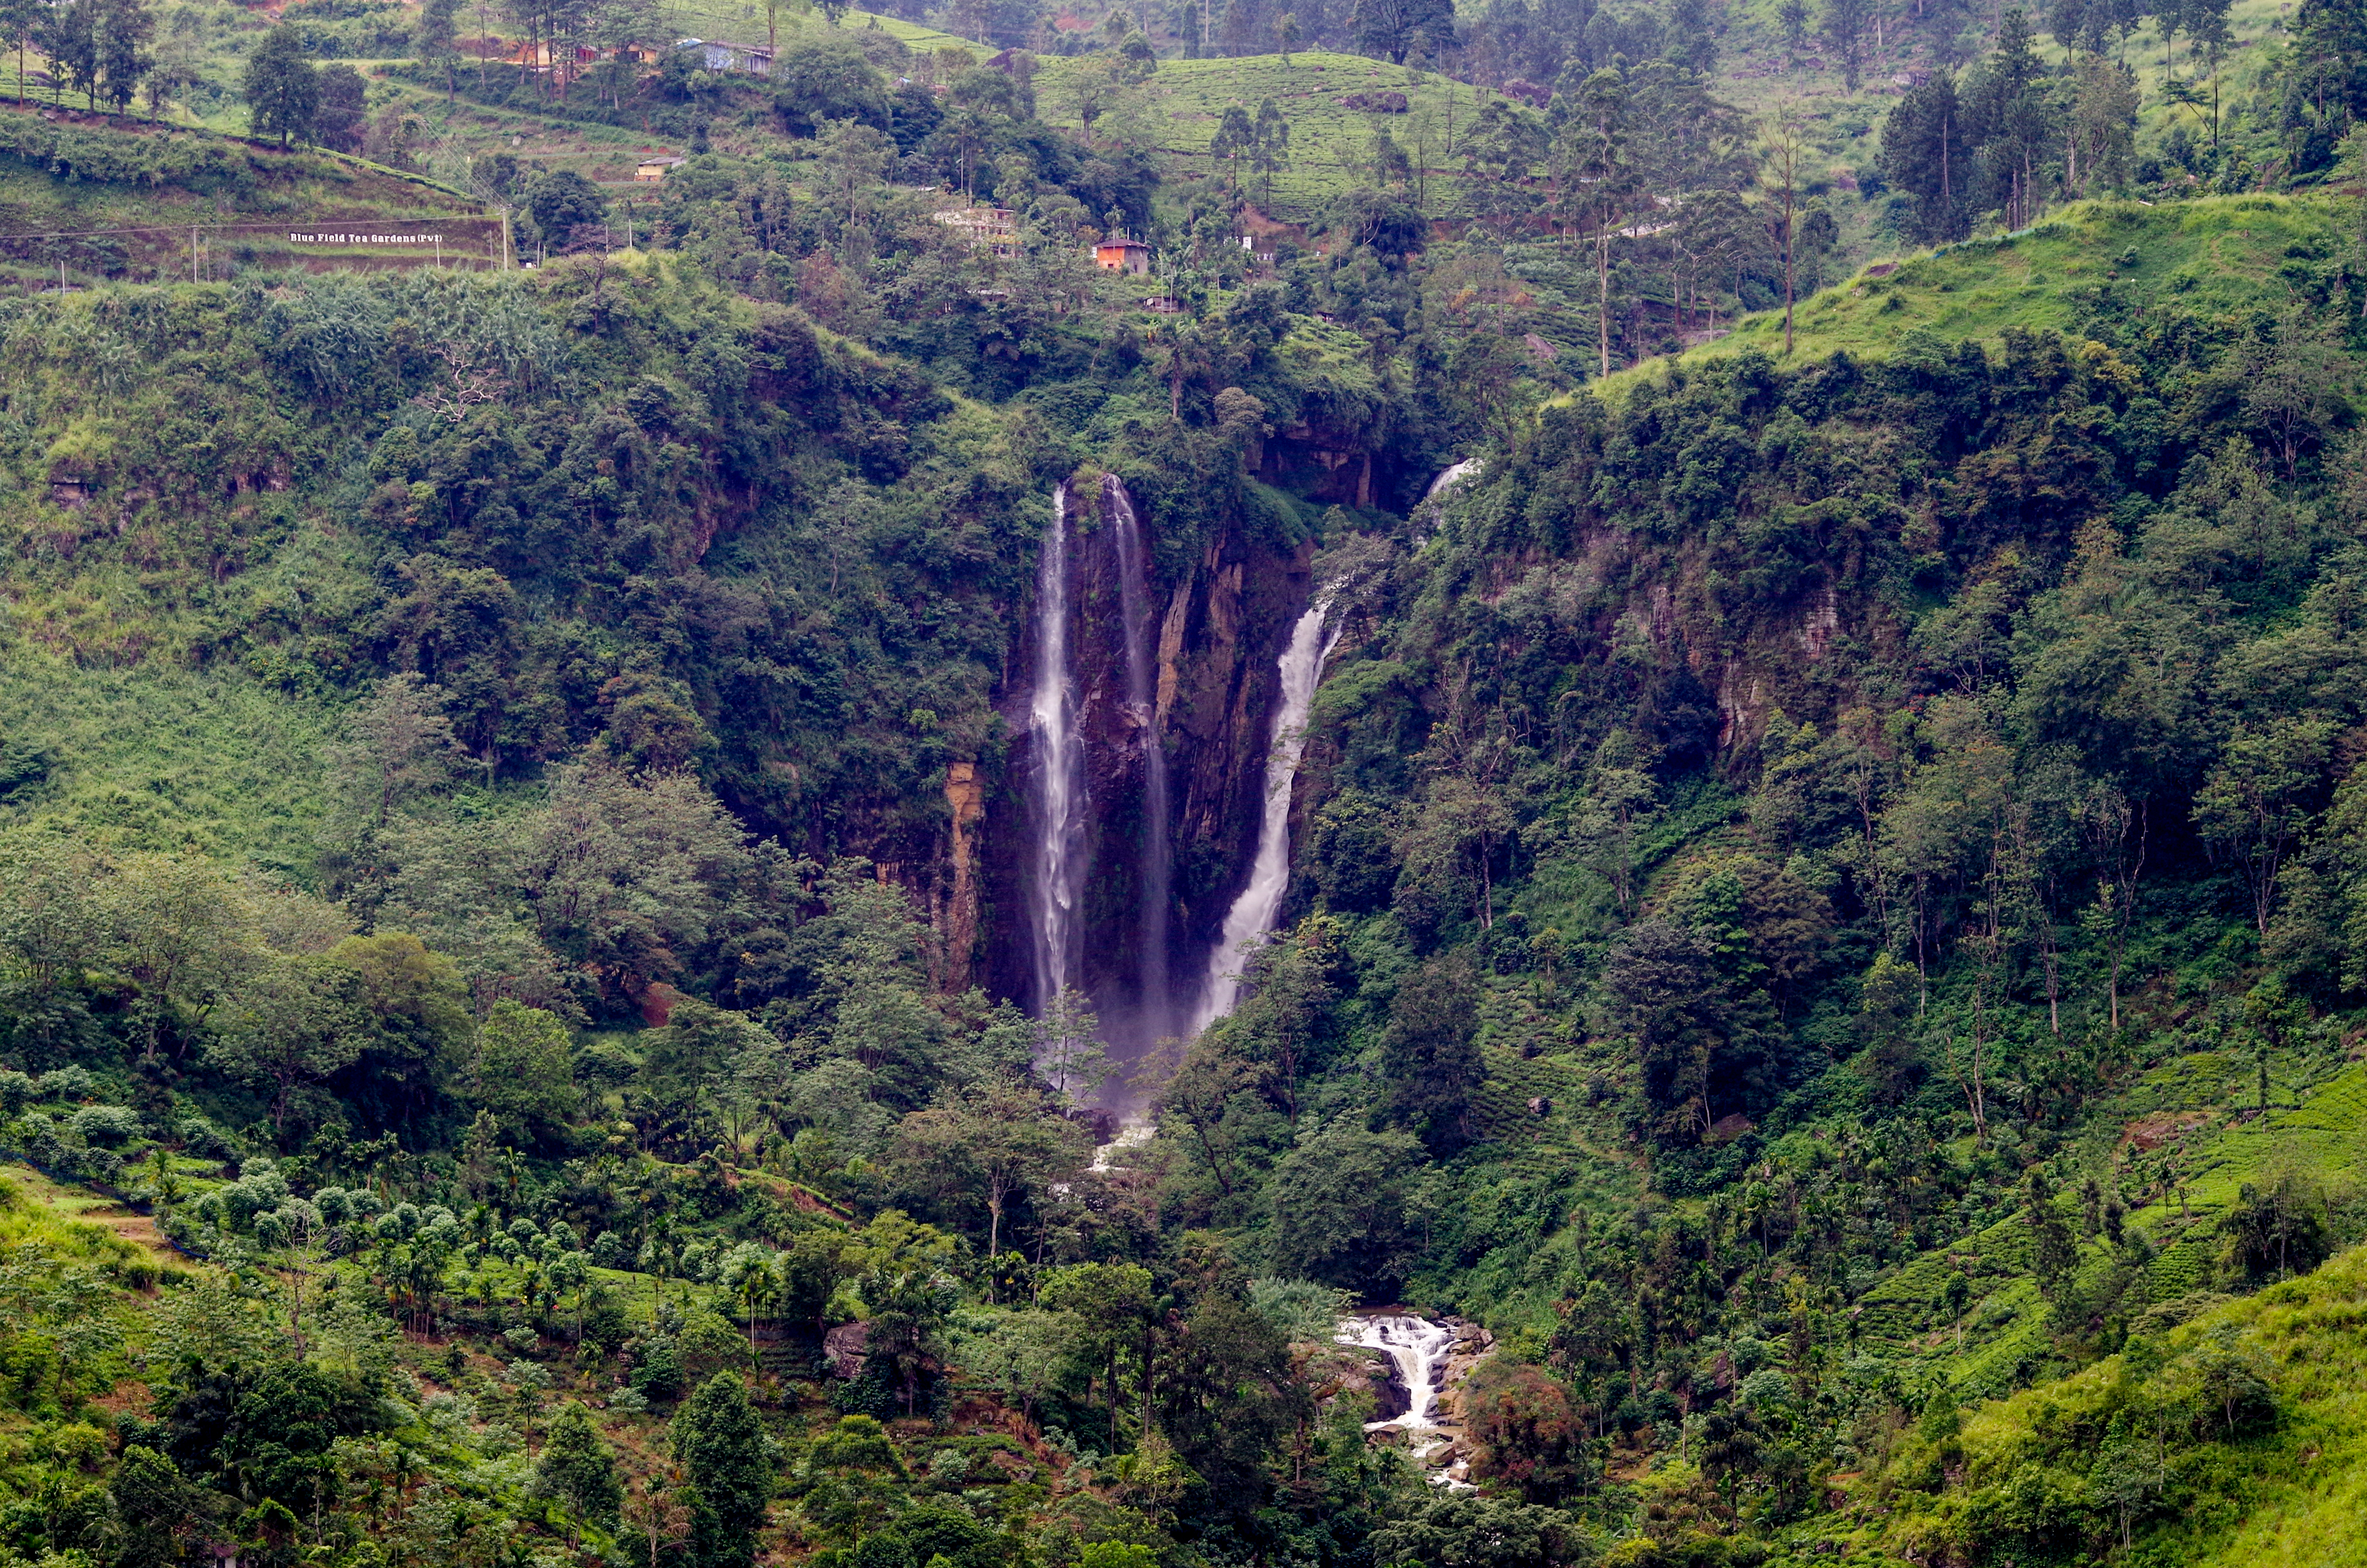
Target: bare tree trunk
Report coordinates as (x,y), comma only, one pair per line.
(1602,289)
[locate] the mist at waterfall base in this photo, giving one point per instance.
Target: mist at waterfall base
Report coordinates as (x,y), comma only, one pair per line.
(1172,995)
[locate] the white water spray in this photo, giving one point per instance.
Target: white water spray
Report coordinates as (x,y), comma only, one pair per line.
(1419,1347)
(1252,915)
(1057,781)
(1449,478)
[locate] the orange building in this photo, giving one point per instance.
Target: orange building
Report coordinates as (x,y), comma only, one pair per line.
(1122,255)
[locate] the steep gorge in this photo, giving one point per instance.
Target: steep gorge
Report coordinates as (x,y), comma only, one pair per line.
(1173,691)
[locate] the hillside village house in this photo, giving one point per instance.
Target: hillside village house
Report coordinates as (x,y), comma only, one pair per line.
(751,60)
(542,57)
(993,228)
(651,171)
(1122,255)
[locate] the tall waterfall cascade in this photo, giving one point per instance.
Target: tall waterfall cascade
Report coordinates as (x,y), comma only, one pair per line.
(1253,914)
(1076,704)
(1056,782)
(1156,869)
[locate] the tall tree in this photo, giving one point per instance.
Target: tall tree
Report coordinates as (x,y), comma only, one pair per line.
(344,113)
(2257,803)
(2013,121)
(1783,148)
(437,39)
(1269,148)
(990,1146)
(1927,152)
(577,1469)
(71,40)
(1235,140)
(1430,1051)
(1593,174)
(121,31)
(720,1444)
(909,1294)
(290,1024)
(282,88)
(1844,24)
(21,22)
(1394,29)
(1113,1305)
(2104,124)
(1069,1050)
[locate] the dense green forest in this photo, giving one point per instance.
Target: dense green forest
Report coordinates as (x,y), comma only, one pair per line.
(1824,954)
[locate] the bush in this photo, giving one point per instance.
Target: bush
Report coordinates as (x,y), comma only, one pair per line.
(657,1369)
(107,1125)
(73,156)
(2276,1233)
(1529,1434)
(68,1084)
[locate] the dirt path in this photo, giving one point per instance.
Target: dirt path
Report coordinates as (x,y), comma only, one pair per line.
(82,1207)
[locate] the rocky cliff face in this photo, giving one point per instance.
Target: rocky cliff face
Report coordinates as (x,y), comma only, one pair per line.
(1216,632)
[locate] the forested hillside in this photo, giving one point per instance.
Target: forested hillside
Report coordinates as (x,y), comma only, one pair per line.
(1184,788)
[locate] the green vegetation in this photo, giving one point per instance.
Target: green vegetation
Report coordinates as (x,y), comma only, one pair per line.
(2215,257)
(2256,1400)
(116,202)
(1333,145)
(1827,914)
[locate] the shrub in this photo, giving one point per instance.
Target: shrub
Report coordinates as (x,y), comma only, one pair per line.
(107,1125)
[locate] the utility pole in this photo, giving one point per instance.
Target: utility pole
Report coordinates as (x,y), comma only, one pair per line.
(193,253)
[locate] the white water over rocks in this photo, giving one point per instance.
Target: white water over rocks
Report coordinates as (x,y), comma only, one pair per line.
(1130,1135)
(1449,478)
(1252,915)
(1057,781)
(1419,1347)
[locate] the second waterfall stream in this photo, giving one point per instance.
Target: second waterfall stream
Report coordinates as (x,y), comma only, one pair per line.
(1253,914)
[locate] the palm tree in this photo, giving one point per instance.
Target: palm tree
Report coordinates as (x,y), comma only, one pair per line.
(751,1280)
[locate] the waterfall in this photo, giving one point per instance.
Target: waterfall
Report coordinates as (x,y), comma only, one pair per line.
(1253,914)
(1449,478)
(1057,781)
(1142,713)
(1419,1347)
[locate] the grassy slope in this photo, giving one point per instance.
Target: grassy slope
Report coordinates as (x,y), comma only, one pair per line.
(159,756)
(454,133)
(300,190)
(2213,256)
(2294,1495)
(1328,142)
(1755,72)
(2219,1149)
